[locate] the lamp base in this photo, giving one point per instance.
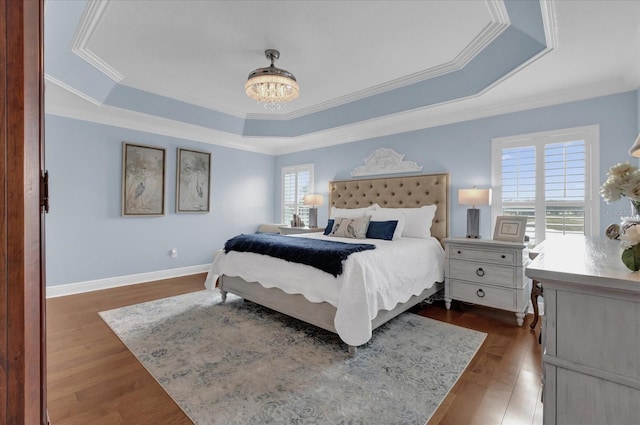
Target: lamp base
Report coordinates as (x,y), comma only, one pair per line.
(313,217)
(473,223)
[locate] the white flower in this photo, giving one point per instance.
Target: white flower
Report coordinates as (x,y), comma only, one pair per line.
(621,169)
(631,236)
(611,189)
(631,186)
(623,179)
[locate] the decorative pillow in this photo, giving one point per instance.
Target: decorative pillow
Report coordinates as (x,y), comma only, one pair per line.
(382,229)
(387,214)
(329,227)
(352,212)
(347,227)
(418,220)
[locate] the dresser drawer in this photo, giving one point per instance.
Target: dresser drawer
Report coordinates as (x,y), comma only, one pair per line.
(496,256)
(483,294)
(483,273)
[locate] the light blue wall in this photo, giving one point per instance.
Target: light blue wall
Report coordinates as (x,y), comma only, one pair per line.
(638,107)
(464,150)
(88,239)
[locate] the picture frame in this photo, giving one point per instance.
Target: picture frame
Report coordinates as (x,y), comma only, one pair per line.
(143,180)
(193,181)
(510,228)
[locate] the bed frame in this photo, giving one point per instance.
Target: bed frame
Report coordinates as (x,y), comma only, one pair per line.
(390,192)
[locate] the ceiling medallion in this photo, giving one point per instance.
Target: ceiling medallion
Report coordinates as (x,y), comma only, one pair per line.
(272,87)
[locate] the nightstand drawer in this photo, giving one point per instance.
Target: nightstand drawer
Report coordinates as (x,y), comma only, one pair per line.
(461,252)
(483,294)
(482,273)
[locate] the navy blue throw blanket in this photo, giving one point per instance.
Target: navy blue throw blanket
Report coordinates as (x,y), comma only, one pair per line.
(321,254)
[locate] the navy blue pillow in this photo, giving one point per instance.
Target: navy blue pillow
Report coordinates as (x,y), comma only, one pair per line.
(329,227)
(382,229)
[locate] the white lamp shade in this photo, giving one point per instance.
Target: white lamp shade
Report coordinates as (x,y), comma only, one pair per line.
(312,199)
(474,196)
(635,149)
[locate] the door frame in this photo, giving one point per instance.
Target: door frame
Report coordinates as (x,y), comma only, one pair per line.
(22,286)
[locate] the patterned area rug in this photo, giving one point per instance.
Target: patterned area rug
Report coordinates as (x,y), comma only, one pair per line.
(240,363)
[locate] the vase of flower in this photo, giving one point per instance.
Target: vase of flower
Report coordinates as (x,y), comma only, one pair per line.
(623,180)
(631,247)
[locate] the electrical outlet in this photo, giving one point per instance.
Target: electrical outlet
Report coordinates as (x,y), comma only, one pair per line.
(174,253)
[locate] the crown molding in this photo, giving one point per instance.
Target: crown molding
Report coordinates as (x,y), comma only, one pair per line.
(499,22)
(88,23)
(70,89)
(70,104)
(76,106)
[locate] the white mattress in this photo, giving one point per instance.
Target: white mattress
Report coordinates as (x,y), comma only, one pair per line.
(371,280)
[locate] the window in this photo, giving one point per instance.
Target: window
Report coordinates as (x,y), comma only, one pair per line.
(551,178)
(297,181)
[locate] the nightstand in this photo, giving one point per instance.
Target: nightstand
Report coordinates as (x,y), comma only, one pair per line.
(489,273)
(288,230)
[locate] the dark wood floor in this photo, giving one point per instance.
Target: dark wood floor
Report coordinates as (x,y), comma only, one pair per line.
(93,379)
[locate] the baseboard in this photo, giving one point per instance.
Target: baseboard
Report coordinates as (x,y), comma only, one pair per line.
(113,282)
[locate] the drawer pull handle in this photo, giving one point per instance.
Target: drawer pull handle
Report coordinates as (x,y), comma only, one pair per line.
(459,252)
(480,293)
(503,256)
(480,272)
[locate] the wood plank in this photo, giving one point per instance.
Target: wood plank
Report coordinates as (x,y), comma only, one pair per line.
(22,307)
(105,385)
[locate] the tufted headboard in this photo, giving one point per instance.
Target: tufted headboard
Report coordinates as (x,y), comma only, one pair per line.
(397,192)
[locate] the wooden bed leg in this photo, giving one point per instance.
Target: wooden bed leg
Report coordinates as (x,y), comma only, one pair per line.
(352,350)
(223,293)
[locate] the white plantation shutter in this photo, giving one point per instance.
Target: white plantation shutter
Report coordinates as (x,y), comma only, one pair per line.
(547,177)
(297,181)
(565,187)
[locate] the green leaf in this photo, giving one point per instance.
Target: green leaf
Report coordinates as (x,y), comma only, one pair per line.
(631,257)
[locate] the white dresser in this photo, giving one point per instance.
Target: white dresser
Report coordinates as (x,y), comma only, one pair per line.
(591,333)
(487,272)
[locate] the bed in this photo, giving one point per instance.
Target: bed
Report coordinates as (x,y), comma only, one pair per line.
(347,304)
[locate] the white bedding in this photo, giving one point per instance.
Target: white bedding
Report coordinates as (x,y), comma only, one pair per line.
(371,281)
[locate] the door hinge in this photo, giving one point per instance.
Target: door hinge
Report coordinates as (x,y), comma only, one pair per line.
(44,191)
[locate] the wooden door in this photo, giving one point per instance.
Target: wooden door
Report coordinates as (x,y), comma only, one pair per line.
(22,337)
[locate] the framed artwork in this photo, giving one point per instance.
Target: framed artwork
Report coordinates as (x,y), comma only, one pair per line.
(143,171)
(510,228)
(193,181)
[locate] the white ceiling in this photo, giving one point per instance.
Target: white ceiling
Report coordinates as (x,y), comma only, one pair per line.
(201,52)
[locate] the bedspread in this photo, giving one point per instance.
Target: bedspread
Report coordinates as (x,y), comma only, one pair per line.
(325,255)
(371,281)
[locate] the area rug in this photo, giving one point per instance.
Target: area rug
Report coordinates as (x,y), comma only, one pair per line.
(240,363)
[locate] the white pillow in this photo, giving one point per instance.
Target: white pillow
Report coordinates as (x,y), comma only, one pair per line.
(418,221)
(352,212)
(387,214)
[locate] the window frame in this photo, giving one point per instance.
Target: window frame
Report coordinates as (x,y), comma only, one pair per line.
(289,169)
(591,137)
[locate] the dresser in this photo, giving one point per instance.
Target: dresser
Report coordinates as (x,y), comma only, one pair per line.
(489,273)
(590,333)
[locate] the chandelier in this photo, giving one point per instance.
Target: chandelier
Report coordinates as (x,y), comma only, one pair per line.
(272,87)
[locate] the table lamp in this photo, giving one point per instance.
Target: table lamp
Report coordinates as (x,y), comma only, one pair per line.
(474,197)
(313,200)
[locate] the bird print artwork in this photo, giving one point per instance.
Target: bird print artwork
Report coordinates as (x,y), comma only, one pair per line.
(143,185)
(193,181)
